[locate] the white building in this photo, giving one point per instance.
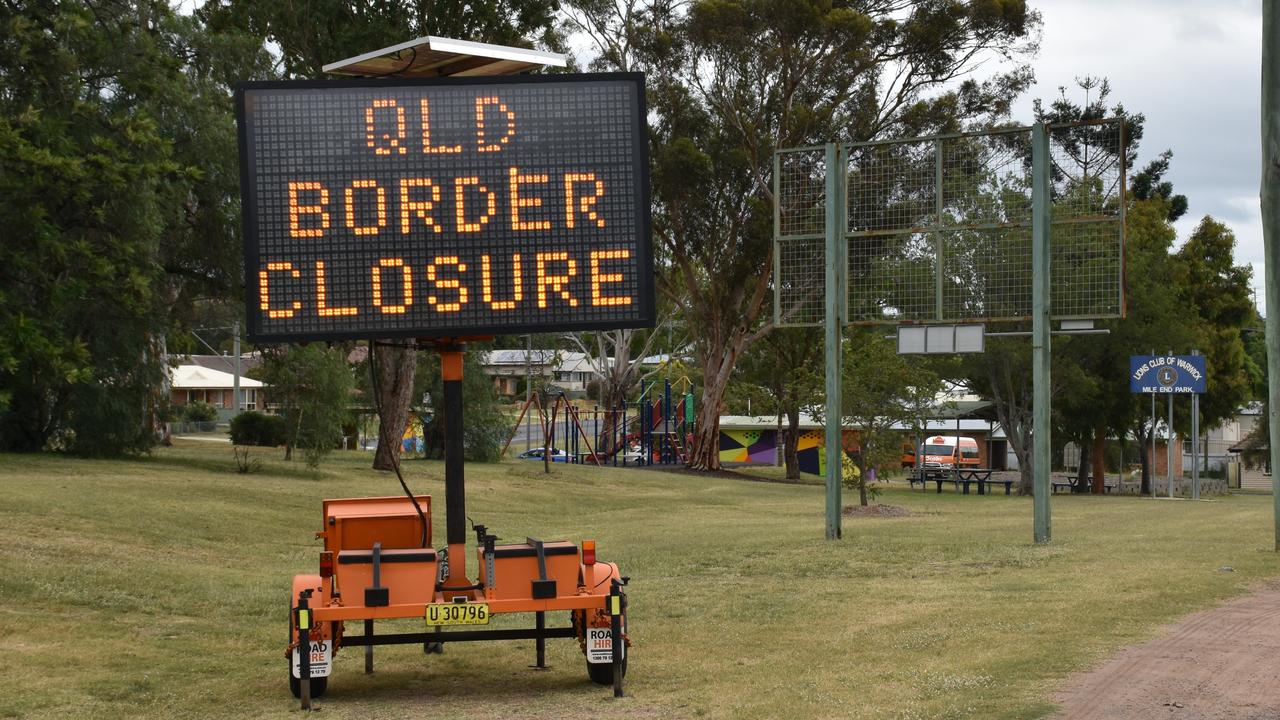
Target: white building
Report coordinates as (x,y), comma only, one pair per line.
(195,383)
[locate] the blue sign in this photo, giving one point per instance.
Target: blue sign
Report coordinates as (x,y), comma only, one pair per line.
(1166,374)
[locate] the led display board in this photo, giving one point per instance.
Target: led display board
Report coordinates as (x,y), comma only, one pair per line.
(449,207)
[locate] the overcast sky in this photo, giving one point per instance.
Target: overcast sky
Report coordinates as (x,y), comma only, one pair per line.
(1193,67)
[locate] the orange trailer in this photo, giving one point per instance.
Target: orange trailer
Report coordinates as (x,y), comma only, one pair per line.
(379,563)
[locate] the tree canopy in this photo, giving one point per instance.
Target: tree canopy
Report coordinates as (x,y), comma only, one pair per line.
(120,212)
(731,81)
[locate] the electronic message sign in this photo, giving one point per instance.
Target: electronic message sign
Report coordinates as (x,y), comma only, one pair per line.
(1167,374)
(445,207)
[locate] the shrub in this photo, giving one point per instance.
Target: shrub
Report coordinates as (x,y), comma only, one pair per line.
(255,428)
(199,412)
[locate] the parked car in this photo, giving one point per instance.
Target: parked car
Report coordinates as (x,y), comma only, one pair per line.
(557,455)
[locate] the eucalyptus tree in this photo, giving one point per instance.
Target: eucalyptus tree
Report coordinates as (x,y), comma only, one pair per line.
(731,81)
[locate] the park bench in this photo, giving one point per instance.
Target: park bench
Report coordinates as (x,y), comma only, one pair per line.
(1008,485)
(1070,484)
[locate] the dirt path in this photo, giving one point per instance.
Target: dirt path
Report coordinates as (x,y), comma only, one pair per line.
(1217,664)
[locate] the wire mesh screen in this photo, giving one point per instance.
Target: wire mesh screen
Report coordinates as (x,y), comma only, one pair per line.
(1087,244)
(799,252)
(939,229)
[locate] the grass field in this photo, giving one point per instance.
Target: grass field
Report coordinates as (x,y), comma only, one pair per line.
(157,588)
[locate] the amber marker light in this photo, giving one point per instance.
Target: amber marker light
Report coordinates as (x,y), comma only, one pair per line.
(588,552)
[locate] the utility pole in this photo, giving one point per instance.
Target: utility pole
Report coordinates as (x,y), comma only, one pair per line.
(1270,197)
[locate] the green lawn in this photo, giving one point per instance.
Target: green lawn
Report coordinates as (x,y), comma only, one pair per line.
(157,588)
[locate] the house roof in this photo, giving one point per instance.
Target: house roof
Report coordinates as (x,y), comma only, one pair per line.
(1251,443)
(517,357)
(196,377)
(575,362)
(225,363)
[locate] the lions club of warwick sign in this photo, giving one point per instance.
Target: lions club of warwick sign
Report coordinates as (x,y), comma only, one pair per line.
(1162,374)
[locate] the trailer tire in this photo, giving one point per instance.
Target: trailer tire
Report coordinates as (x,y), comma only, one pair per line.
(602,673)
(318,685)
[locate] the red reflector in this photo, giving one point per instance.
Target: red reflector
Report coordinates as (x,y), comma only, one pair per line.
(588,552)
(326,564)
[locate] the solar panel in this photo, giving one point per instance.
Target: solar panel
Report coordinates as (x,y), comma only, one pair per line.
(432,56)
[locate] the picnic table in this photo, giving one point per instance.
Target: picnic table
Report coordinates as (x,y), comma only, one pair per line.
(982,476)
(961,478)
(1070,484)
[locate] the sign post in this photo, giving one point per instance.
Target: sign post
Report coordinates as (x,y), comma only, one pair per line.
(1195,442)
(1041,229)
(1169,375)
(833,322)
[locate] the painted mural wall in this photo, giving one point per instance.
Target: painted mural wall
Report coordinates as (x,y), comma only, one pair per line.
(753,446)
(761,446)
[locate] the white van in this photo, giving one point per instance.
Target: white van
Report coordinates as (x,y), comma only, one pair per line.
(945,452)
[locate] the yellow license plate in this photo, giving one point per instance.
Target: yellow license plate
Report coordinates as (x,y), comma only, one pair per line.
(457,614)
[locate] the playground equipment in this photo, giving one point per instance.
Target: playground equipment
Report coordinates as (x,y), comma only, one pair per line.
(656,429)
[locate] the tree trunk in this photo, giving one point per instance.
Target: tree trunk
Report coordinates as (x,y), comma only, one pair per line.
(705,452)
(1083,464)
(792,438)
(1015,418)
(862,475)
(396,366)
(293,437)
(1099,460)
(608,440)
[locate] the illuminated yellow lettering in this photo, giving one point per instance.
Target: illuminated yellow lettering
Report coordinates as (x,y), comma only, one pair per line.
(351,207)
(517,284)
(556,283)
(447,284)
(585,204)
(460,210)
(406,274)
(517,202)
(427,147)
(391,143)
(264,295)
(481,144)
(322,305)
(597,278)
(410,207)
(296,210)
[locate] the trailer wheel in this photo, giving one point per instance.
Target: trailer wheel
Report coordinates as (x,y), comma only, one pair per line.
(602,673)
(318,685)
